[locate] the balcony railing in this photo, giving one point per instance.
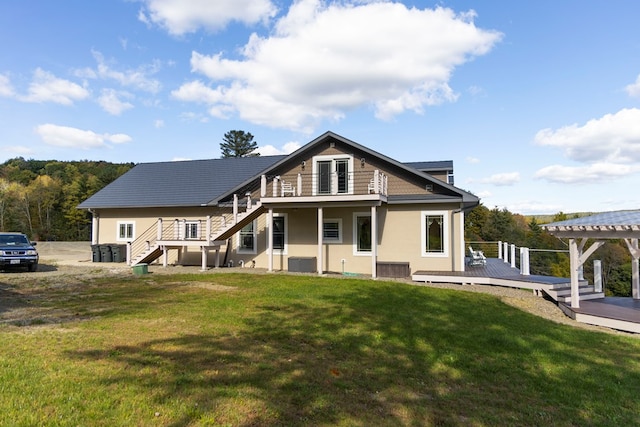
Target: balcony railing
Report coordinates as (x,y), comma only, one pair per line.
(319,184)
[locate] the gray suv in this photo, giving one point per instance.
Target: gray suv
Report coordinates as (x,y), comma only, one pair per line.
(17,251)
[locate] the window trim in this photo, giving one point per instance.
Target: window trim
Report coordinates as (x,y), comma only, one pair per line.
(284,251)
(119,238)
(446,231)
(253,250)
(356,252)
(332,158)
(339,238)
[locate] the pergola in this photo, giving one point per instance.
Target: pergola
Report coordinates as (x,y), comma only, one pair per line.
(599,228)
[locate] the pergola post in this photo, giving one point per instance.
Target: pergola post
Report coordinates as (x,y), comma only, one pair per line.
(320,226)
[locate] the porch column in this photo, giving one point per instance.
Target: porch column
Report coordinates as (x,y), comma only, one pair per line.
(95,228)
(270,239)
(320,224)
(217,256)
(159,230)
(597,275)
(208,230)
(165,256)
(574,265)
(374,241)
(204,251)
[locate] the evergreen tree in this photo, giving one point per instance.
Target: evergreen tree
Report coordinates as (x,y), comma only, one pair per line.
(238,143)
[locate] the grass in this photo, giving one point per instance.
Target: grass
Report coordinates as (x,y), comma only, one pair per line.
(241,350)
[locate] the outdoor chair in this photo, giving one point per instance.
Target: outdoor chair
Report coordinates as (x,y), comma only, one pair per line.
(476,257)
(287,188)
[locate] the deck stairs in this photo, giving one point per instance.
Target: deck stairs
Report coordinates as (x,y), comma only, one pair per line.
(562,292)
(217,237)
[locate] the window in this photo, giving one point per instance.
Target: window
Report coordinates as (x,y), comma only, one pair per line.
(332,230)
(247,239)
(362,233)
(435,233)
(279,232)
(126,231)
(332,174)
(450,177)
(191,230)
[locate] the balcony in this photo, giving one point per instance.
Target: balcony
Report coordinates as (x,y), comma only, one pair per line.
(309,187)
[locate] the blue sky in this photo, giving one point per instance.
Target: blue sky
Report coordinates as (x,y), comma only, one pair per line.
(537,103)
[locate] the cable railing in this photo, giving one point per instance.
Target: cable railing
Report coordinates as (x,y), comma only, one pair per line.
(516,256)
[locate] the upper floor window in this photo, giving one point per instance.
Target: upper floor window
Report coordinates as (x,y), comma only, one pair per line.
(333,174)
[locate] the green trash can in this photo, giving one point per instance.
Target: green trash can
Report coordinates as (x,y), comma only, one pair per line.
(105,253)
(119,253)
(140,269)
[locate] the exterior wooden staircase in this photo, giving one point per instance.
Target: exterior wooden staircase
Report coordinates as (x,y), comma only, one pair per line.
(149,247)
(562,292)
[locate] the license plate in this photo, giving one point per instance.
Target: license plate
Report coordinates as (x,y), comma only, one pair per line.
(14,261)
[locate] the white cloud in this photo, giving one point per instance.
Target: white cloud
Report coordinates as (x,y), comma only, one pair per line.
(45,87)
(110,101)
(596,172)
(533,207)
(323,60)
(68,137)
(158,124)
(634,88)
(5,86)
(185,16)
(472,160)
(613,138)
(605,148)
(502,179)
(20,150)
(270,150)
(139,78)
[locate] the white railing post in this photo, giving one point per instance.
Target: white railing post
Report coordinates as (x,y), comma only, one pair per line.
(275,186)
(159,232)
(597,275)
(524,261)
(299,190)
(263,186)
(208,229)
(183,229)
(499,249)
(513,256)
(176,229)
(248,194)
(128,253)
(505,251)
(235,209)
(334,183)
(376,181)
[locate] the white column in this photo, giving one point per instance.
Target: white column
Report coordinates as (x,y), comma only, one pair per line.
(270,239)
(499,249)
(320,220)
(218,257)
(374,241)
(505,251)
(208,230)
(95,228)
(635,271)
(574,265)
(299,189)
(524,262)
(235,209)
(165,256)
(159,230)
(513,256)
(204,258)
(597,275)
(263,186)
(461,243)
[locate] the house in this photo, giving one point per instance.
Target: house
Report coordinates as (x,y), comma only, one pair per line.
(331,206)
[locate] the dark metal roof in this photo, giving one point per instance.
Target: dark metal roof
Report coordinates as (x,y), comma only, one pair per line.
(441,165)
(179,183)
(602,219)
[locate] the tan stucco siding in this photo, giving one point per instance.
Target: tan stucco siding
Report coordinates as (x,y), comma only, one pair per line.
(399,240)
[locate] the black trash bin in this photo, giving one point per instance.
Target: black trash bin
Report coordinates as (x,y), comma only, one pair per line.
(95,250)
(105,253)
(119,253)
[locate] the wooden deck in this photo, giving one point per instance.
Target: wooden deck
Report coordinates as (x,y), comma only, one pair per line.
(611,312)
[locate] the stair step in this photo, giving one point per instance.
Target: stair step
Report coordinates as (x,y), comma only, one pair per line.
(583,296)
(567,290)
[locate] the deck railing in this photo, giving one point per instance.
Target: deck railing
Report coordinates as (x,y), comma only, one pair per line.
(320,184)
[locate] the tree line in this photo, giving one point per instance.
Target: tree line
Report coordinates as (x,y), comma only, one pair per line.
(40,197)
(549,255)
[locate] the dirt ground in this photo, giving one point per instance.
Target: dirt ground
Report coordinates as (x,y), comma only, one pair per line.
(71,266)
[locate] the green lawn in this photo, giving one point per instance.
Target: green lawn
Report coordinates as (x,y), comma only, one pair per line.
(241,350)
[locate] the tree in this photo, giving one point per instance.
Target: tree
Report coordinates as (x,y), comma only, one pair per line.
(238,143)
